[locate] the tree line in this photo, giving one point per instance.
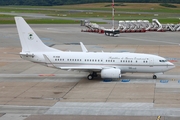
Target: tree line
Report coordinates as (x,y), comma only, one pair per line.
(68,2)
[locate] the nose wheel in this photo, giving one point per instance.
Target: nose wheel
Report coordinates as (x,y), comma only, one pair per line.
(154,77)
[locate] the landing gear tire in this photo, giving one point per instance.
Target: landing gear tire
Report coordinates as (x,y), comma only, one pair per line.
(154,77)
(90,77)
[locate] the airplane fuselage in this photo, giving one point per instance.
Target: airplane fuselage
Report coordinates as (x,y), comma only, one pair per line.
(127,62)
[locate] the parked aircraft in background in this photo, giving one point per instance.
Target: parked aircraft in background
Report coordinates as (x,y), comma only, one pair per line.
(108,65)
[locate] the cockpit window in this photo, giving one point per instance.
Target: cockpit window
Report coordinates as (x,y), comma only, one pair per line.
(162,60)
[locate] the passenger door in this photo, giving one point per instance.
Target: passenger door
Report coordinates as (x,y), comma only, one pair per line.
(151,62)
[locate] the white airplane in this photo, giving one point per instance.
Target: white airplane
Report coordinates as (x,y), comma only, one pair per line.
(108,65)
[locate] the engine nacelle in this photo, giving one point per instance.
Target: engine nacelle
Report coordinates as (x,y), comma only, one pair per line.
(111,73)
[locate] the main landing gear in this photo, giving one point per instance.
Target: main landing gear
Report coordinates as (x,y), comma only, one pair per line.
(92,75)
(154,77)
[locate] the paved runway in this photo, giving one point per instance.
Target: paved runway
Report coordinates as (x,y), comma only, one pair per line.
(61,34)
(30,91)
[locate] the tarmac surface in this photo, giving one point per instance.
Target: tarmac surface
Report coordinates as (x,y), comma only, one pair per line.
(30,91)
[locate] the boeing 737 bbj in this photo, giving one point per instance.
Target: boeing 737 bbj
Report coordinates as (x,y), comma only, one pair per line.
(108,65)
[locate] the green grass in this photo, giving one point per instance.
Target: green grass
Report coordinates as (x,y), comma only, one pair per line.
(54,9)
(24,11)
(127,7)
(43,21)
(54,21)
(168,5)
(147,11)
(40,21)
(169,20)
(5,16)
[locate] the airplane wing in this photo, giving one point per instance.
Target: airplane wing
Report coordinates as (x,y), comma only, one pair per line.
(82,68)
(79,68)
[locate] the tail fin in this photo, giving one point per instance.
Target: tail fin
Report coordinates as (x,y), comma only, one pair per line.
(30,42)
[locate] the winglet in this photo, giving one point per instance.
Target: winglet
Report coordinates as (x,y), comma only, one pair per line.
(83,47)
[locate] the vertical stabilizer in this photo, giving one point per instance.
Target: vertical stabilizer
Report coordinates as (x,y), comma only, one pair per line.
(30,42)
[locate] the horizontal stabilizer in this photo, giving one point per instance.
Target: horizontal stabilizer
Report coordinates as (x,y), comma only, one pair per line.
(27,54)
(12,53)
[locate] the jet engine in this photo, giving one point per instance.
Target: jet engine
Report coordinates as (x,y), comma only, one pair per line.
(111,73)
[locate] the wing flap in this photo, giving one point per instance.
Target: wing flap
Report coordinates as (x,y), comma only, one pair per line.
(81,68)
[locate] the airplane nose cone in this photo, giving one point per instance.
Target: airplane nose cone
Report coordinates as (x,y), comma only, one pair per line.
(171,65)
